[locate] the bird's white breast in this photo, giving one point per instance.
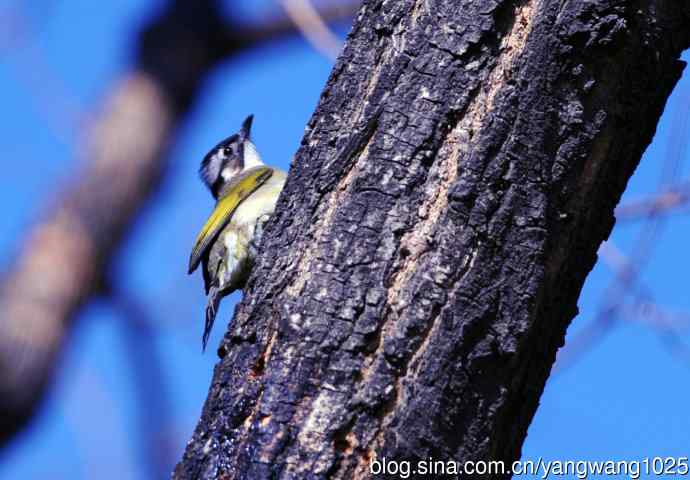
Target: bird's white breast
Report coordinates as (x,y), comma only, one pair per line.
(261,202)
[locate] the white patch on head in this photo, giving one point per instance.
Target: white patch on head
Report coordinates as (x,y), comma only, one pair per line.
(251,159)
(251,156)
(227,173)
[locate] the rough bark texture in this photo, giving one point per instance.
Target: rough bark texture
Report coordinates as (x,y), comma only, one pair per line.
(442,212)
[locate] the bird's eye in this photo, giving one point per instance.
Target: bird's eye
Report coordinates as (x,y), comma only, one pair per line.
(228,150)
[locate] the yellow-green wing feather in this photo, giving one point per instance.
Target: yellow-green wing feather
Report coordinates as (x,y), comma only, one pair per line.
(225,207)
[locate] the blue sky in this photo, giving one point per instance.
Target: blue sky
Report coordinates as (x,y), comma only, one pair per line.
(625,398)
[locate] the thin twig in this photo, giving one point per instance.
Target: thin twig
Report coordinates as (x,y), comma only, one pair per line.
(156,445)
(313,28)
(627,269)
(663,203)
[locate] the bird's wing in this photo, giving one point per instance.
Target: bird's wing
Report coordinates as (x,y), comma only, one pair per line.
(246,183)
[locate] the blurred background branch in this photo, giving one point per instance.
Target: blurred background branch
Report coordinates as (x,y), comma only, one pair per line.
(154,417)
(615,303)
(313,27)
(674,200)
(65,257)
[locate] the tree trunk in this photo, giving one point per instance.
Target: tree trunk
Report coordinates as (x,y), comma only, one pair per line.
(441,215)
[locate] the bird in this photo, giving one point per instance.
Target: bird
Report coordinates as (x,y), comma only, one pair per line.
(246,192)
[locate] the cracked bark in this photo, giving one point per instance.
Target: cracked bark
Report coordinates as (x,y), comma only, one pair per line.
(441,215)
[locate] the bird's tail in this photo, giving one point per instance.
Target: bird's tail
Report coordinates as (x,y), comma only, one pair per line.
(211,310)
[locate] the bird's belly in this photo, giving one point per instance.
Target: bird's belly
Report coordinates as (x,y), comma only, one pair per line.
(234,251)
(232,258)
(260,203)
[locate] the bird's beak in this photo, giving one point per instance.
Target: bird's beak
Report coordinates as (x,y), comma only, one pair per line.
(245,131)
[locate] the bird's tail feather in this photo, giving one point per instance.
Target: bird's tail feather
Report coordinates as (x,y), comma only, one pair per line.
(211,310)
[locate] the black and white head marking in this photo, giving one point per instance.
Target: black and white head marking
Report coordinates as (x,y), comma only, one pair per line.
(226,159)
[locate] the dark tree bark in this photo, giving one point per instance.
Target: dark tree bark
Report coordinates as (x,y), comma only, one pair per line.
(441,215)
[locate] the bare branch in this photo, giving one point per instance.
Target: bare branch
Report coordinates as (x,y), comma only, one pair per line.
(664,203)
(154,416)
(313,27)
(628,268)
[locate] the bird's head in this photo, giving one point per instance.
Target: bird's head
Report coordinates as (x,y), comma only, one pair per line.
(230,157)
